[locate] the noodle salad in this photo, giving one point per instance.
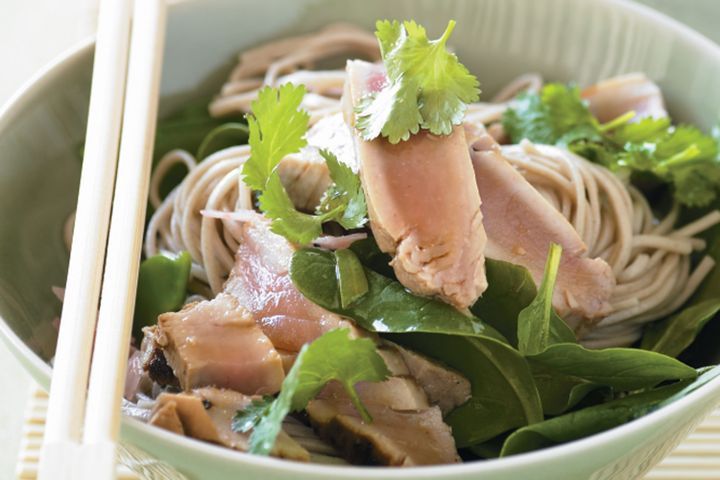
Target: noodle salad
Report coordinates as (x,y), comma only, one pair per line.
(370,264)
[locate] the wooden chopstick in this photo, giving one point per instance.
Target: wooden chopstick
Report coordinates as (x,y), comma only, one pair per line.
(112,338)
(72,358)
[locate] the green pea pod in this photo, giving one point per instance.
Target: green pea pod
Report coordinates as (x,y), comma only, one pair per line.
(352,282)
(162,287)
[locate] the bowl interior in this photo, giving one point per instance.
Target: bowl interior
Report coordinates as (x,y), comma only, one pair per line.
(42,130)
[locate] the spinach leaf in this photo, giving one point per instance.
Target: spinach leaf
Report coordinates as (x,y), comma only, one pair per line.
(224,136)
(587,421)
(351,279)
(503,391)
(621,368)
(162,287)
(548,343)
(538,324)
(560,393)
(674,334)
(511,288)
(489,449)
(705,375)
(371,256)
(386,307)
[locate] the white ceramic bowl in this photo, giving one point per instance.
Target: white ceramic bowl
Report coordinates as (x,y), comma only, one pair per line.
(43,126)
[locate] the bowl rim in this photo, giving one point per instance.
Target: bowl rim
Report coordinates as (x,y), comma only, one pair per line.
(41,371)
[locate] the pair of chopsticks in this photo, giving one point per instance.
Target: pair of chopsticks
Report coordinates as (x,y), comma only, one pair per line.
(81,437)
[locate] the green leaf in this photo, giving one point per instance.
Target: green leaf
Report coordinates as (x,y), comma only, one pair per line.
(221,137)
(621,368)
(339,357)
(538,324)
(386,307)
(427,85)
(566,372)
(298,227)
(645,130)
(586,422)
(489,449)
(277,128)
(351,279)
(503,391)
(511,288)
(705,376)
(681,156)
(345,197)
(560,393)
(556,112)
(504,395)
(674,334)
(333,356)
(371,256)
(161,288)
(248,418)
(392,113)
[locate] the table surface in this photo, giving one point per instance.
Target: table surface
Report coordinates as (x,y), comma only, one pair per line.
(33,32)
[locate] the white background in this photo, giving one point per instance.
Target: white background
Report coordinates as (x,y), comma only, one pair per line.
(32,32)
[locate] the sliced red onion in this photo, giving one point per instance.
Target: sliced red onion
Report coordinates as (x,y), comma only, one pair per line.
(337,243)
(238,215)
(59,292)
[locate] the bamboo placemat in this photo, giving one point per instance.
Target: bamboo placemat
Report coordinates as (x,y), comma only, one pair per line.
(134,464)
(697,457)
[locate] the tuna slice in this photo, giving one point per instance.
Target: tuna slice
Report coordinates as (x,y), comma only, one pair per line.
(261,282)
(618,95)
(408,427)
(404,432)
(218,343)
(520,226)
(423,206)
(444,387)
(206,414)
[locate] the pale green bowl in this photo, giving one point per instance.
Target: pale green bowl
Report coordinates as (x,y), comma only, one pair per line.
(42,128)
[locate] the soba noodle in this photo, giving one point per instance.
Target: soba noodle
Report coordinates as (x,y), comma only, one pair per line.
(649,257)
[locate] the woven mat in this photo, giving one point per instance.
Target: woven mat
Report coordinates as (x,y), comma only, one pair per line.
(698,457)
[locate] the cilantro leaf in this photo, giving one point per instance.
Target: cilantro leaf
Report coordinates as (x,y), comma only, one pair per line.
(245,420)
(277,128)
(298,227)
(333,356)
(556,115)
(345,197)
(681,156)
(645,130)
(427,85)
